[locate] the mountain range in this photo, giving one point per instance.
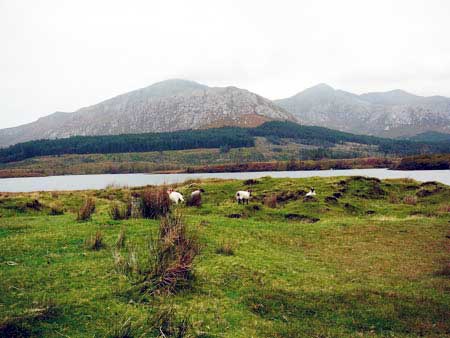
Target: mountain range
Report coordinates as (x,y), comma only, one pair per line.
(394,113)
(180,104)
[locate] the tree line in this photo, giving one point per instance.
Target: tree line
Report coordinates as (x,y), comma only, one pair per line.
(224,138)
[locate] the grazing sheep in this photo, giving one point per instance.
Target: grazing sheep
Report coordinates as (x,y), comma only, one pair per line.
(196,198)
(243,196)
(311,192)
(197,192)
(175,196)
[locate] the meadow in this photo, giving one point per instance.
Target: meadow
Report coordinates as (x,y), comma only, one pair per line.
(362,258)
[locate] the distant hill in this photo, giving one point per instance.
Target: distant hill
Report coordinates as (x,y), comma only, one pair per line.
(430,136)
(229,137)
(390,114)
(165,106)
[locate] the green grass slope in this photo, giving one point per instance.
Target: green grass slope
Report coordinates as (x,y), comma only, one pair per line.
(365,258)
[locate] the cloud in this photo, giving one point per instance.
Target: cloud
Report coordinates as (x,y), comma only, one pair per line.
(60,55)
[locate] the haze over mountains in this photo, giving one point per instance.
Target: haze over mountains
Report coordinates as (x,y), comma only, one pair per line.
(391,114)
(180,104)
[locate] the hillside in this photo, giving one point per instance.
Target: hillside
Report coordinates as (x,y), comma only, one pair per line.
(364,258)
(165,106)
(390,114)
(229,137)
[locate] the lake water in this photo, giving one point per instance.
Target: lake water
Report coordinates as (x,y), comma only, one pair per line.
(83,182)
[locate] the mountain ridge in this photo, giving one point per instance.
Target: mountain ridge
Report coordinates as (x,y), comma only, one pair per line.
(169,105)
(393,113)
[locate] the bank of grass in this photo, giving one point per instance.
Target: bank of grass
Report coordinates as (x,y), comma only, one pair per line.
(370,266)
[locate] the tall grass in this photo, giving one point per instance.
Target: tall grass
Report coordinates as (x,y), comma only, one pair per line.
(171,258)
(119,212)
(155,202)
(86,210)
(95,242)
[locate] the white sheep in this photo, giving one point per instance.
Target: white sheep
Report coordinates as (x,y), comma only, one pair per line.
(197,192)
(175,196)
(243,196)
(311,192)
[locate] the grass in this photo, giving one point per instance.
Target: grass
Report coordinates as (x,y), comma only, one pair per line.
(370,266)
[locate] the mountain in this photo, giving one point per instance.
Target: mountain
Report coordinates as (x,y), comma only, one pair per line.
(164,106)
(390,114)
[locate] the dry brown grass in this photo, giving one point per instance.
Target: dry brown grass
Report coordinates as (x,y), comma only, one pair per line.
(410,200)
(444,208)
(155,202)
(270,201)
(86,210)
(172,255)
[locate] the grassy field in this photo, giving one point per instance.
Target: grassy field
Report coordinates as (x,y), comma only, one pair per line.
(364,258)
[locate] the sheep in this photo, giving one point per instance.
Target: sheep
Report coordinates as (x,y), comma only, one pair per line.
(175,196)
(196,198)
(197,192)
(311,192)
(243,196)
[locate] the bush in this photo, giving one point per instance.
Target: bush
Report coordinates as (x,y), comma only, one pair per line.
(270,201)
(411,200)
(86,210)
(171,258)
(155,203)
(95,242)
(119,212)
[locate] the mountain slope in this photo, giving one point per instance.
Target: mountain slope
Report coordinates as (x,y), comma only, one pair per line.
(165,106)
(391,114)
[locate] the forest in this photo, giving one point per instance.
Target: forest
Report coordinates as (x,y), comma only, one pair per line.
(224,138)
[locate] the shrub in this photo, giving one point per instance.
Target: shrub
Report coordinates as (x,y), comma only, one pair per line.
(119,212)
(225,249)
(95,242)
(171,258)
(86,210)
(155,203)
(270,201)
(411,200)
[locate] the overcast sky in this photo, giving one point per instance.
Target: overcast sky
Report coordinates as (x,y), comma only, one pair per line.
(59,55)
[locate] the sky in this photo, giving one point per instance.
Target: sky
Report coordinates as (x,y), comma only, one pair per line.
(61,55)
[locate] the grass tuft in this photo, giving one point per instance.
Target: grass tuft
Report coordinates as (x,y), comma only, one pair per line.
(270,201)
(95,242)
(155,202)
(410,200)
(86,210)
(225,249)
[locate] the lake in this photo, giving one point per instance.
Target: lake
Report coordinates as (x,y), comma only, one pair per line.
(83,182)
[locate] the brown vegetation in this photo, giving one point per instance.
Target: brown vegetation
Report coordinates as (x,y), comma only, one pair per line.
(155,202)
(86,210)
